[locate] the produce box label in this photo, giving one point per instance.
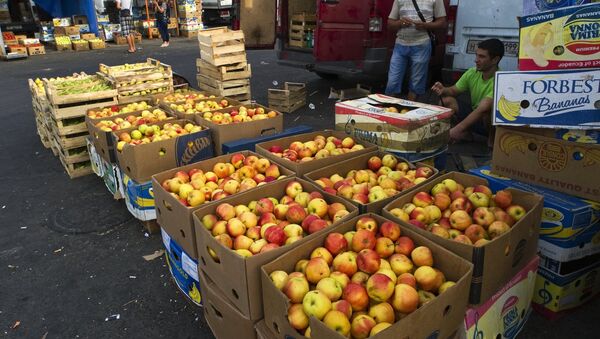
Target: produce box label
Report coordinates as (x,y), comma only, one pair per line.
(548,99)
(560,39)
(139,199)
(183,269)
(192,148)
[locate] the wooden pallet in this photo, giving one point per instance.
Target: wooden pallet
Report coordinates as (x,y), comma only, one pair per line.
(222,46)
(223,88)
(240,70)
(78,169)
(288,99)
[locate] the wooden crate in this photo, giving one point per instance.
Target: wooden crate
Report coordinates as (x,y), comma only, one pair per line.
(245,98)
(188,34)
(36,50)
(43,133)
(72,155)
(152,69)
(222,46)
(288,99)
(300,25)
(97,44)
(223,88)
(78,169)
(240,70)
(81,46)
(68,126)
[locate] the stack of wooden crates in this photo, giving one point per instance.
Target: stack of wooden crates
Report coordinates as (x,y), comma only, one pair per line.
(223,69)
(288,99)
(65,125)
(140,81)
(302,27)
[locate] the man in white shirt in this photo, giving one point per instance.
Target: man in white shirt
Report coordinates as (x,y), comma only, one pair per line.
(126,21)
(413,44)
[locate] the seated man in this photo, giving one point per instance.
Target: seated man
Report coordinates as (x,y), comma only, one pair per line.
(478,81)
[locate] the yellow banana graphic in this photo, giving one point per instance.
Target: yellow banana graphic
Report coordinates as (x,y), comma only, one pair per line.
(591,157)
(195,294)
(509,109)
(508,142)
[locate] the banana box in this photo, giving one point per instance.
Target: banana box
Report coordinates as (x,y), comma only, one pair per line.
(113,179)
(556,293)
(564,38)
(536,6)
(395,125)
(183,269)
(537,157)
(570,227)
(548,99)
(139,199)
(504,315)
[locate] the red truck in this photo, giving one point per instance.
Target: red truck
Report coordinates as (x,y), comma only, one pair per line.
(350,37)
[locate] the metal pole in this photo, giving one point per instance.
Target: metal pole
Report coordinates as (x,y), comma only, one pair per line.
(148,20)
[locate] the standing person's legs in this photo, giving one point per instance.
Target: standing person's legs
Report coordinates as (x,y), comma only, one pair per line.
(131,42)
(398,64)
(164,32)
(419,56)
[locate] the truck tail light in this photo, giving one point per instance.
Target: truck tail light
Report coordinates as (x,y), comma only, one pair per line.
(451,17)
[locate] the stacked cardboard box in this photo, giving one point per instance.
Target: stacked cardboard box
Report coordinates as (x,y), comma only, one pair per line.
(4,13)
(223,68)
(189,13)
(546,116)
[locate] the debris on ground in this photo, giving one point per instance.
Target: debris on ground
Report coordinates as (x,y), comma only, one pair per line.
(154,255)
(113,317)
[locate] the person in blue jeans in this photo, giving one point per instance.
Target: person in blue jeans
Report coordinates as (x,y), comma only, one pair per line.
(413,45)
(162,20)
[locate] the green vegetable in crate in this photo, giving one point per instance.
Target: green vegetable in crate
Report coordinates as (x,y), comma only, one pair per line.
(80,85)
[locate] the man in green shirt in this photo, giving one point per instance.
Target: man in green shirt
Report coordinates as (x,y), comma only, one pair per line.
(479,82)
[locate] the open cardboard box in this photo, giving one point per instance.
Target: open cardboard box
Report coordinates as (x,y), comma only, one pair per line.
(190,116)
(301,168)
(173,216)
(438,318)
(103,141)
(239,278)
(499,260)
(223,133)
(358,163)
(225,321)
(533,156)
(141,162)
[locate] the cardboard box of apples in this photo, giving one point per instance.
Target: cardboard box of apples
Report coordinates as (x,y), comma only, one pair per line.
(245,231)
(367,277)
(372,180)
(180,191)
(304,153)
(145,150)
(240,122)
(457,210)
(102,127)
(188,108)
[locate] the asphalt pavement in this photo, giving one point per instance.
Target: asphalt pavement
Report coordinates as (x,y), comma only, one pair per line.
(71,255)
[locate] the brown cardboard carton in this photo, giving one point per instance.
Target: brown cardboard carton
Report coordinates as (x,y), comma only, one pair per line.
(536,156)
(239,278)
(191,116)
(302,168)
(499,260)
(235,131)
(141,162)
(174,217)
(263,332)
(360,162)
(224,320)
(103,141)
(438,318)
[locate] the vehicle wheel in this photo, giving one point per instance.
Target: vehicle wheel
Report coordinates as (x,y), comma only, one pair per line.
(328,76)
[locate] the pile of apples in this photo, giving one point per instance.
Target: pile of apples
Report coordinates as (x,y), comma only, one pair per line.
(240,174)
(145,134)
(470,215)
(384,177)
(361,282)
(191,106)
(184,96)
(241,114)
(146,117)
(114,110)
(270,223)
(318,148)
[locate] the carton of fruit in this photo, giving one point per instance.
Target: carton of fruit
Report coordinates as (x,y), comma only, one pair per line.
(101,129)
(372,180)
(304,153)
(396,125)
(189,108)
(497,231)
(272,220)
(410,288)
(240,122)
(215,178)
(143,154)
(181,95)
